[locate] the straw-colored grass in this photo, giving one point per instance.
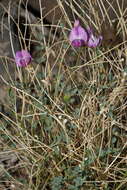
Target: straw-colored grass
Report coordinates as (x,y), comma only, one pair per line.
(64,125)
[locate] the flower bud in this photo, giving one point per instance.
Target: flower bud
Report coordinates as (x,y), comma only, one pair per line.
(93,41)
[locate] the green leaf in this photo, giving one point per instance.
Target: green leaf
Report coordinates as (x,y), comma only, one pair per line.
(40,60)
(66,98)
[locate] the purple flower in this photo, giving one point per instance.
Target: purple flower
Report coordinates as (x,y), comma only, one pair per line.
(93,41)
(22,58)
(81,37)
(78,35)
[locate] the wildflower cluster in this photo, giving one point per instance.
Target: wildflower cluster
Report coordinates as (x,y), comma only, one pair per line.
(78,37)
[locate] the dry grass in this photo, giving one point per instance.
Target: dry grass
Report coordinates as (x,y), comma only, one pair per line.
(64,127)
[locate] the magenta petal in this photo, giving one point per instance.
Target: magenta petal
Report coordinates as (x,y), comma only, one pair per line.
(22,58)
(78,43)
(78,35)
(94,41)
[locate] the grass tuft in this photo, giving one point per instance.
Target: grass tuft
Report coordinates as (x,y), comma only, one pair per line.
(63,124)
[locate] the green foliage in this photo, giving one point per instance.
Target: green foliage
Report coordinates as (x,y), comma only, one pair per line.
(56,183)
(65,118)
